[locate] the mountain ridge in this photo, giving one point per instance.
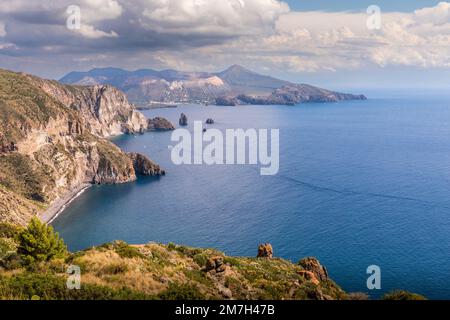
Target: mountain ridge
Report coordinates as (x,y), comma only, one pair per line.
(146,86)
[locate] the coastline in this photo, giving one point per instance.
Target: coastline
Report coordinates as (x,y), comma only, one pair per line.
(59,205)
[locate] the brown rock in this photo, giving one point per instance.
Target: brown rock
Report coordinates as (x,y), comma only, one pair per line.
(265,251)
(144,166)
(313,265)
(215,263)
(159,124)
(308,275)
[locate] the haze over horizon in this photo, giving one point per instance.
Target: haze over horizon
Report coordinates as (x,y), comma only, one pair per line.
(318,42)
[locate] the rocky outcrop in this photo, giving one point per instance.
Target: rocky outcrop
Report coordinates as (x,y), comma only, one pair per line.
(314,269)
(216,264)
(183,120)
(52,140)
(144,166)
(227,101)
(159,124)
(265,251)
(290,95)
(104,110)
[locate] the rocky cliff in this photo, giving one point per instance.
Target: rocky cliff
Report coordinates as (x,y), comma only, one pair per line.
(290,95)
(52,140)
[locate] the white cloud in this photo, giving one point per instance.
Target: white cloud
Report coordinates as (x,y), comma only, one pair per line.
(198,34)
(439,14)
(99,10)
(92,33)
(2,29)
(226,17)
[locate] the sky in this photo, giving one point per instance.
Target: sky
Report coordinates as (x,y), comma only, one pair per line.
(337,44)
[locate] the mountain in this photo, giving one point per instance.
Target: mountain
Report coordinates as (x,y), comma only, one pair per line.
(236,85)
(52,142)
(244,81)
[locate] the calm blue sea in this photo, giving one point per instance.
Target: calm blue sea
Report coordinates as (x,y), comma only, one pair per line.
(360,183)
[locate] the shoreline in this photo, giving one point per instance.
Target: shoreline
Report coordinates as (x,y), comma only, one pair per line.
(59,205)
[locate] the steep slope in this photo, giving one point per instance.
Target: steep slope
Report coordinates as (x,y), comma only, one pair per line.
(168,272)
(244,81)
(52,141)
(171,86)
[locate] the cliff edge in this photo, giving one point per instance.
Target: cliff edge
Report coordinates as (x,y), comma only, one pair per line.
(52,140)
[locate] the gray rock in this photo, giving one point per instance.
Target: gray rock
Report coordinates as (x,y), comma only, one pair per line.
(183,120)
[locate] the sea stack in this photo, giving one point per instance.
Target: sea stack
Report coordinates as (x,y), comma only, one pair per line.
(183,120)
(265,251)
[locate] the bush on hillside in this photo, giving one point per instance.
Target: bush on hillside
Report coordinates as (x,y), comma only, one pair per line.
(39,243)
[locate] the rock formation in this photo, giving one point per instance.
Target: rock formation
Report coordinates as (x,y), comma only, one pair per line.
(144,166)
(183,120)
(52,140)
(265,251)
(159,124)
(227,101)
(313,266)
(215,264)
(209,121)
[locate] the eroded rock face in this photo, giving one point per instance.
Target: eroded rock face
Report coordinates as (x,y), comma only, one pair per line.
(105,110)
(313,265)
(144,166)
(183,120)
(55,134)
(265,251)
(159,124)
(216,264)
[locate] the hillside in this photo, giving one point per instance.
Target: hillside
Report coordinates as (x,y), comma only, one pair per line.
(52,142)
(30,269)
(236,85)
(155,271)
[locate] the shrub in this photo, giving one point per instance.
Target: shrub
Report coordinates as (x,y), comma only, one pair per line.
(201,259)
(6,246)
(181,292)
(357,296)
(11,261)
(51,287)
(38,243)
(9,231)
(403,295)
(126,251)
(114,268)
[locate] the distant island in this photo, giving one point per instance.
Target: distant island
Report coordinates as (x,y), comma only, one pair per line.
(234,86)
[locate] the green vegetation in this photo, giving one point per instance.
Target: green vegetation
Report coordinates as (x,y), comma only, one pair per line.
(181,292)
(28,286)
(403,295)
(39,243)
(34,264)
(124,250)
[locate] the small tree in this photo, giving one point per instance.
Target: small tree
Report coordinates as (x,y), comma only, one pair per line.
(38,242)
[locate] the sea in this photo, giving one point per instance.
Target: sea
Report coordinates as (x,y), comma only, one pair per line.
(360,184)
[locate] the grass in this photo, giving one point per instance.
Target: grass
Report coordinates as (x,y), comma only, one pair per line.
(121,271)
